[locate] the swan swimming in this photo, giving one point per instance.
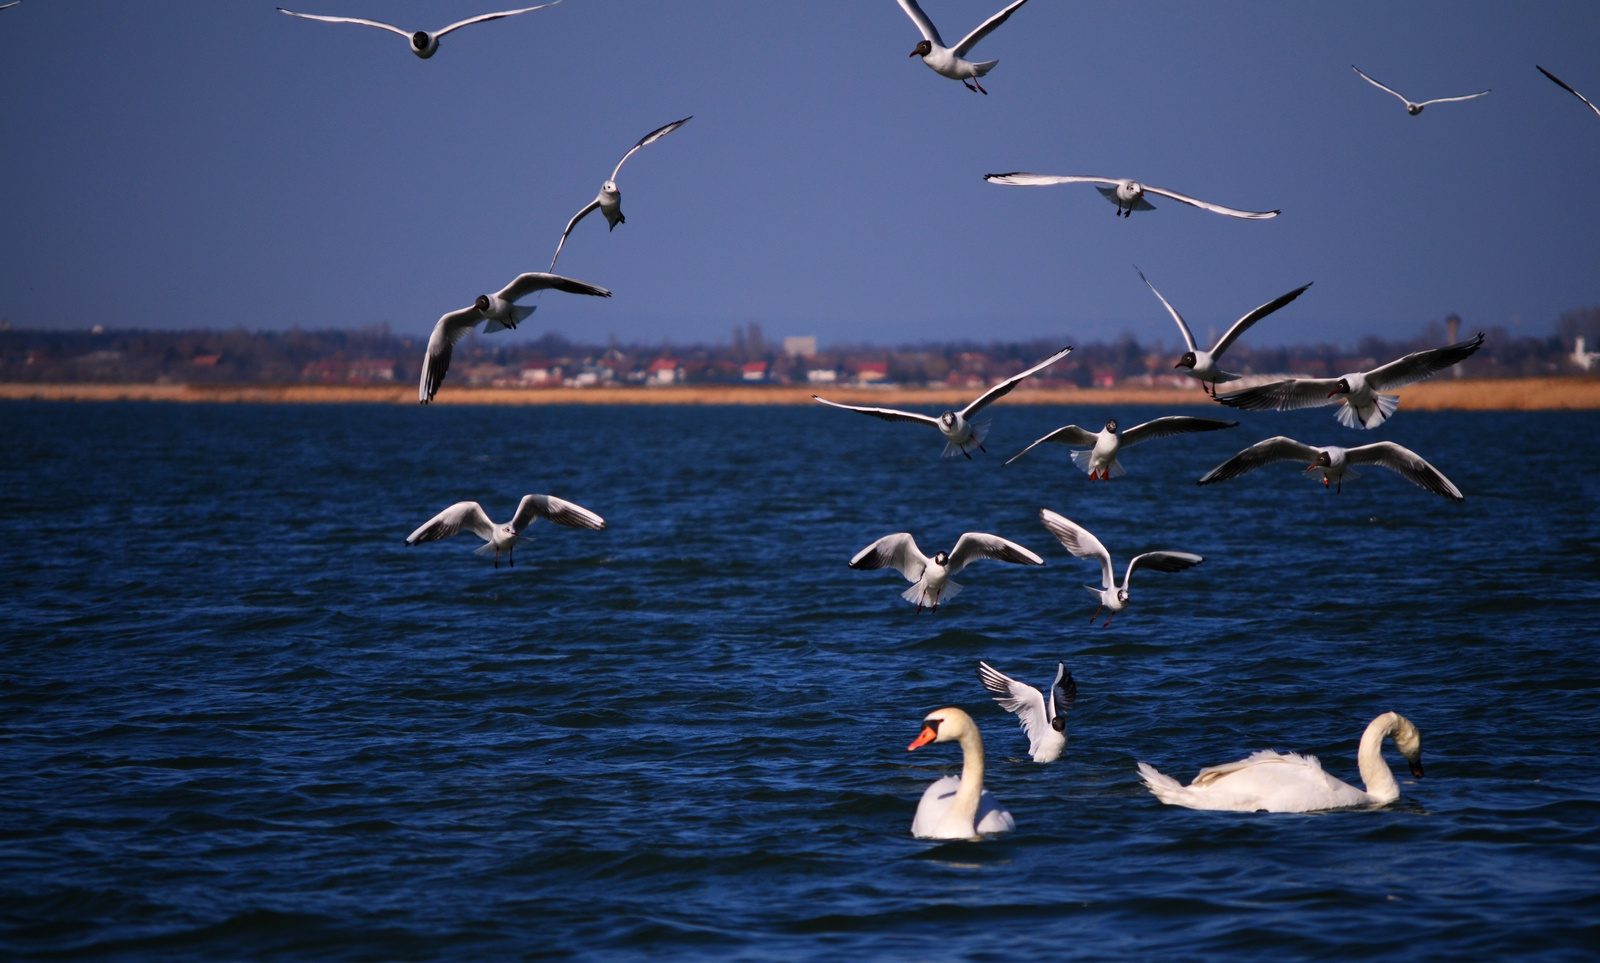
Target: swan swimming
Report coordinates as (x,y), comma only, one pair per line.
(957,807)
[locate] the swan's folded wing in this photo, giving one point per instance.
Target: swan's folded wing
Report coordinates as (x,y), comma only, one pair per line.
(1004,388)
(1279,448)
(1172,425)
(1069,435)
(1285,395)
(972,546)
(468,515)
(1019,698)
(1406,463)
(1263,757)
(533,507)
(1418,365)
(897,551)
(985,28)
(1078,540)
(887,414)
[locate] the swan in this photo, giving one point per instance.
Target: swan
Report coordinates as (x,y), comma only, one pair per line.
(1274,782)
(957,807)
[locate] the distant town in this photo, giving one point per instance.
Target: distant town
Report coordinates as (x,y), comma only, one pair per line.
(376,356)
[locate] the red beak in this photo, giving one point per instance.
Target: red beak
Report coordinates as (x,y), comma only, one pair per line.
(923,738)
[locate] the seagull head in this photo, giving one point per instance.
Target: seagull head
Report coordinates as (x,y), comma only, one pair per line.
(1187,361)
(424,44)
(1111,425)
(610,187)
(1122,596)
(1059,724)
(1342,388)
(1324,460)
(923,49)
(1413,109)
(941,559)
(948,419)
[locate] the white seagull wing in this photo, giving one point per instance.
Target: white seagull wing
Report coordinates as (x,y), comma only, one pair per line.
(1208,206)
(447,332)
(593,205)
(1378,85)
(1025,179)
(887,414)
(1161,562)
(985,28)
(1077,540)
(1019,698)
(1285,395)
(1243,324)
(1183,327)
(1069,435)
(480,18)
(1406,463)
(1172,425)
(1448,100)
(1004,388)
(972,546)
(1418,365)
(13,3)
(365,23)
(1559,82)
(897,551)
(526,284)
(929,32)
(535,507)
(468,515)
(650,138)
(1279,448)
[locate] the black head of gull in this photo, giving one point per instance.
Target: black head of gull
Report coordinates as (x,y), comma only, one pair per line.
(1111,425)
(948,419)
(1342,388)
(941,559)
(1187,361)
(923,49)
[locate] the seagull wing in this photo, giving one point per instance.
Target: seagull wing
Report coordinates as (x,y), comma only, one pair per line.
(1183,327)
(1447,100)
(1161,562)
(1378,85)
(1077,540)
(1070,435)
(1261,453)
(1285,395)
(15,2)
(897,551)
(480,18)
(972,546)
(1208,206)
(1024,179)
(447,332)
(450,521)
(1172,425)
(650,138)
(1243,324)
(1020,698)
(1063,695)
(593,205)
(1563,85)
(930,33)
(1418,365)
(887,414)
(526,284)
(366,23)
(1407,463)
(984,29)
(534,507)
(1004,388)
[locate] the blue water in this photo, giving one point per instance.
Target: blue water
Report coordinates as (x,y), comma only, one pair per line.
(240,719)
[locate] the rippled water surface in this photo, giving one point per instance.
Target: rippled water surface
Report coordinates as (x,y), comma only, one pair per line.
(239,718)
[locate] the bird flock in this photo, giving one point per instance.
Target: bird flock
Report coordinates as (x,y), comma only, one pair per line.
(963,807)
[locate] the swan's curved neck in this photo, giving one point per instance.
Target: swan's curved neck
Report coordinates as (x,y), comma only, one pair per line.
(1375,772)
(965,805)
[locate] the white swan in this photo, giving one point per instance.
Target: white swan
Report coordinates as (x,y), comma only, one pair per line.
(1273,782)
(957,807)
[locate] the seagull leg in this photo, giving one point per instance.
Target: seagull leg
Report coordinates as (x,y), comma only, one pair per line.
(511,556)
(1096,614)
(964,452)
(969,86)
(982,449)
(497,558)
(980,87)
(1108,619)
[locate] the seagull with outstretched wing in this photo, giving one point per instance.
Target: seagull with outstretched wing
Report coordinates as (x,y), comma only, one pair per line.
(1563,85)
(1078,540)
(503,538)
(931,577)
(1127,194)
(1044,724)
(950,61)
(1101,458)
(1203,364)
(423,43)
(1337,463)
(609,200)
(1413,108)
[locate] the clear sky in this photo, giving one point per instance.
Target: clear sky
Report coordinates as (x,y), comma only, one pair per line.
(219,164)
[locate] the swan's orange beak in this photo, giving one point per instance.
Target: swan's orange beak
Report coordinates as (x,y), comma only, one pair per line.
(926,736)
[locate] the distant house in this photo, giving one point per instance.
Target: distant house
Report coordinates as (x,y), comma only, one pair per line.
(1580,357)
(1105,378)
(822,376)
(662,371)
(537,374)
(369,370)
(205,360)
(754,371)
(804,347)
(868,371)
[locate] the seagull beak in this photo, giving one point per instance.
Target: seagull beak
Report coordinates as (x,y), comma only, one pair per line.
(1179,364)
(926,736)
(1333,392)
(915,54)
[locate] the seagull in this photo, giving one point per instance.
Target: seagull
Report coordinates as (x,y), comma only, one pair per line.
(947,61)
(1561,83)
(1101,460)
(499,311)
(1077,540)
(1336,462)
(959,431)
(932,575)
(609,200)
(15,2)
(503,538)
(1203,364)
(1362,403)
(1127,194)
(1415,109)
(423,43)
(1046,727)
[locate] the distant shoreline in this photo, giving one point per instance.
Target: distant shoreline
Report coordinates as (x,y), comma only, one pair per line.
(1497,394)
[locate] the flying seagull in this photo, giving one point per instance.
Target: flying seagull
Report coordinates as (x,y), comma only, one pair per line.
(1203,364)
(609,200)
(1415,109)
(503,538)
(423,43)
(1127,194)
(948,61)
(1563,85)
(1077,540)
(931,577)
(1101,460)
(959,430)
(1044,724)
(1335,463)
(499,311)
(1359,394)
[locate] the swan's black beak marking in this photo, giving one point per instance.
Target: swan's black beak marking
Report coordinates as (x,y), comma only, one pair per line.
(1416,769)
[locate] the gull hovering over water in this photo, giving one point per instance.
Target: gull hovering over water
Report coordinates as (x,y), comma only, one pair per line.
(1335,463)
(1203,364)
(499,311)
(1358,394)
(1101,460)
(1127,194)
(948,61)
(1415,109)
(609,200)
(503,538)
(1077,540)
(959,430)
(1045,725)
(1563,85)
(931,577)
(423,43)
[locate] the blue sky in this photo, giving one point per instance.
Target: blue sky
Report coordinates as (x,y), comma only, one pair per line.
(218,164)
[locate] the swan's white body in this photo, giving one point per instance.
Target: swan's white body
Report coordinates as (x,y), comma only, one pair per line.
(609,201)
(424,43)
(1045,724)
(957,807)
(930,577)
(1104,445)
(1274,782)
(950,61)
(1082,543)
(502,539)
